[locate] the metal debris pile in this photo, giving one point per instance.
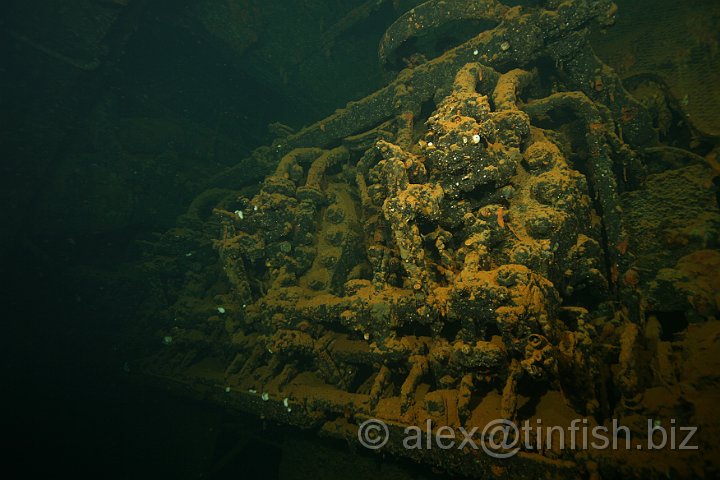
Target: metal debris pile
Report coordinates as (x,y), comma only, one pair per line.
(446,248)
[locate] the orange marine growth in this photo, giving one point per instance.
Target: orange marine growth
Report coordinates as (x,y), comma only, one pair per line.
(501,217)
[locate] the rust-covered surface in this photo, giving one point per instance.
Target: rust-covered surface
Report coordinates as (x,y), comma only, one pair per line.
(478,240)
